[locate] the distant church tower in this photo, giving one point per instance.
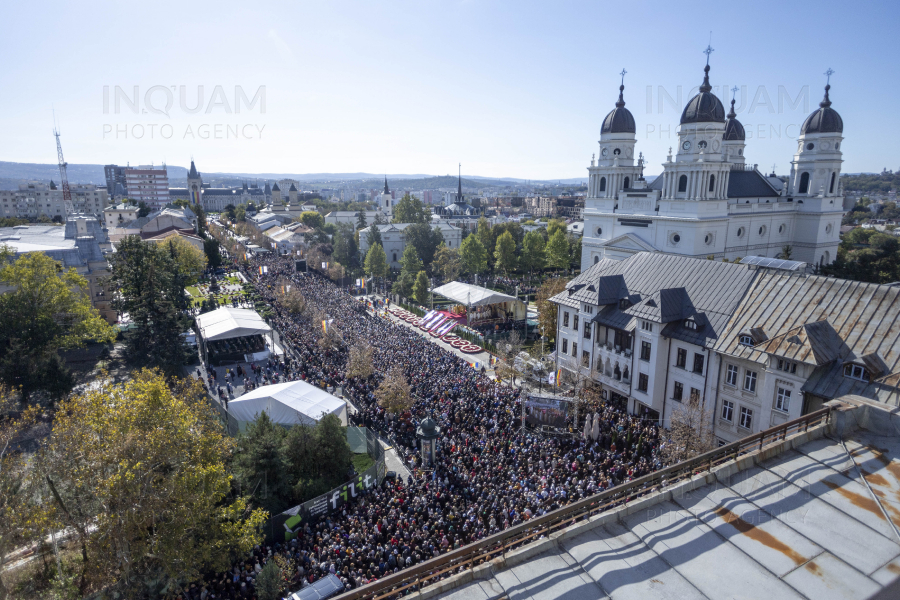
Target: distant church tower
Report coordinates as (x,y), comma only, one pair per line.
(194,184)
(385,203)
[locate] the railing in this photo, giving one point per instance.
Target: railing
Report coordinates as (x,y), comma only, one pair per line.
(467,557)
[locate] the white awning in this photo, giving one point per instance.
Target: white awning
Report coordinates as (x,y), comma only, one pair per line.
(227,322)
(290,403)
(472,295)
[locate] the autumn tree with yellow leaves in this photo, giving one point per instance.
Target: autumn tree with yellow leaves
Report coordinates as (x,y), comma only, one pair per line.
(140,471)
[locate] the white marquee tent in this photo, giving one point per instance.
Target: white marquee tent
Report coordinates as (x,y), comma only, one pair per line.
(473,296)
(288,404)
(227,322)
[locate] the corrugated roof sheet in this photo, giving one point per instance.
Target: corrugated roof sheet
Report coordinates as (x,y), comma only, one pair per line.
(863,316)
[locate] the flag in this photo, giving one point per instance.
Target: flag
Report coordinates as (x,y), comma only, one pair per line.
(363,280)
(428,316)
(437,323)
(324,265)
(558,375)
(260,271)
(551,379)
(325,325)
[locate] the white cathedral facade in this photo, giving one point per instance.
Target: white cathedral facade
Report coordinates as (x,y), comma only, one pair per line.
(708,201)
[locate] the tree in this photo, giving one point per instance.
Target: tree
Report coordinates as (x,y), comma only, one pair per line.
(359,363)
(151,290)
(547,311)
(689,433)
(373,236)
(152,504)
(509,352)
(311,218)
(574,251)
(786,251)
(404,285)
(189,260)
(316,459)
(410,263)
(258,464)
(291,298)
(486,238)
(409,210)
(533,255)
(345,249)
(229,211)
(46,310)
(376,261)
(211,247)
(420,288)
(505,252)
(240,213)
(472,255)
(269,584)
(393,392)
(425,239)
(202,225)
(21,519)
(446,263)
(558,250)
(143,209)
(555,225)
(361,219)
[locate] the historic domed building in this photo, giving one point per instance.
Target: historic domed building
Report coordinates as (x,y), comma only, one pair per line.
(708,201)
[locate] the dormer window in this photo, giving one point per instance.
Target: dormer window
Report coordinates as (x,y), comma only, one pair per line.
(624,303)
(746,340)
(856,372)
(690,324)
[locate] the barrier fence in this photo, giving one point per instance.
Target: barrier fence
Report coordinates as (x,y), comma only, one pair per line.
(467,557)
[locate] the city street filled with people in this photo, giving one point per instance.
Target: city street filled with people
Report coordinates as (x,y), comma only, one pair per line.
(490,473)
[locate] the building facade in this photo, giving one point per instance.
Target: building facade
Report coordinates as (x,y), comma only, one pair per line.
(148,184)
(35,200)
(394,241)
(708,201)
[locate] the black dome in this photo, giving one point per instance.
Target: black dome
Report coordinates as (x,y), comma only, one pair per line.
(704,107)
(619,120)
(734,131)
(824,120)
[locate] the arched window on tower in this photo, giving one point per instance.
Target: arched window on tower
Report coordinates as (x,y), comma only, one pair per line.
(831,187)
(603,184)
(712,183)
(682,183)
(804,183)
(627,183)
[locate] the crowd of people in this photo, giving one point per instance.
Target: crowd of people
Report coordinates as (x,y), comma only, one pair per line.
(489,474)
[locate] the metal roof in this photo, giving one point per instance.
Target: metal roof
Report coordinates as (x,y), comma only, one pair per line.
(472,295)
(799,313)
(750,184)
(773,263)
(709,287)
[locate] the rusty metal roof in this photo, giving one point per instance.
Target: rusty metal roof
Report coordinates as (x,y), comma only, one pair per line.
(826,322)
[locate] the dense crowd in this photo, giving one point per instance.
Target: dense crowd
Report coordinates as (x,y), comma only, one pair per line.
(489,474)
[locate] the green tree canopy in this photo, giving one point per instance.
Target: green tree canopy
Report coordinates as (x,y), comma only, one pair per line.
(555,225)
(345,249)
(558,250)
(311,218)
(473,256)
(410,262)
(420,288)
(486,238)
(373,235)
(361,219)
(505,252)
(533,255)
(240,213)
(446,263)
(376,261)
(47,309)
(425,239)
(410,210)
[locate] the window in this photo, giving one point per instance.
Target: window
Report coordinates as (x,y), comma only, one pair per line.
(394,257)
(786,366)
(643,382)
(712,183)
(681,358)
(750,381)
(856,372)
(695,395)
(731,375)
(678,392)
(690,324)
(585,358)
(587,330)
(727,410)
(603,184)
(746,418)
(646,325)
(589,309)
(622,340)
(831,187)
(746,340)
(627,183)
(682,183)
(575,322)
(698,363)
(804,183)
(782,399)
(565,346)
(574,348)
(645,350)
(565,319)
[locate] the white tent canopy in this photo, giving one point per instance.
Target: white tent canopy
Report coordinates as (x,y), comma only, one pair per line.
(472,295)
(288,404)
(227,322)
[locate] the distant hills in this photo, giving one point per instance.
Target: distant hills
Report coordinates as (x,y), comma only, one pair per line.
(12,174)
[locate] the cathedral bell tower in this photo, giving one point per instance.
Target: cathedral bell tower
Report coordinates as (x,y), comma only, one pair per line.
(194,184)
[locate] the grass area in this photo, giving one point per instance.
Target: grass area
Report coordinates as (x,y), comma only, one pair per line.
(361,462)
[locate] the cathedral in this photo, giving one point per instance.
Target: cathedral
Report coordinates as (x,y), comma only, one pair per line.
(708,202)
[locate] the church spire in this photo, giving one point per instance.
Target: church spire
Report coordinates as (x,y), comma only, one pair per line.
(706,87)
(621,102)
(826,101)
(459,181)
(386,190)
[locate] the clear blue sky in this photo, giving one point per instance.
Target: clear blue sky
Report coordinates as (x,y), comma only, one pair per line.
(514,89)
